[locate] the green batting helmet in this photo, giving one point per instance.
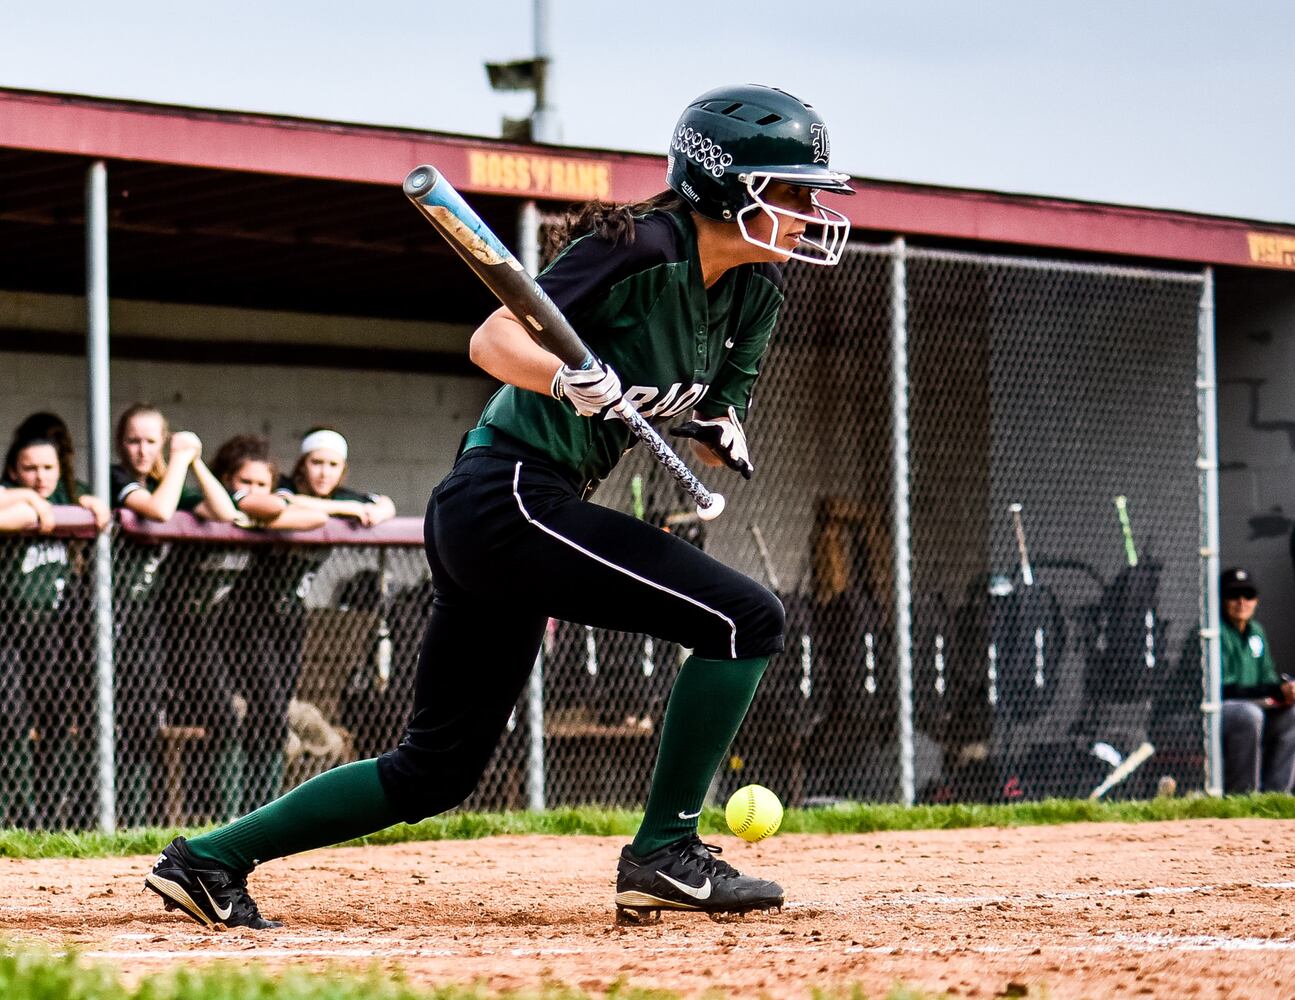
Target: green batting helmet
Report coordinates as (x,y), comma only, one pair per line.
(731,133)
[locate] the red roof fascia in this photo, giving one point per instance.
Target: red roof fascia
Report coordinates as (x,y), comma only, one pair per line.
(305,148)
(287,146)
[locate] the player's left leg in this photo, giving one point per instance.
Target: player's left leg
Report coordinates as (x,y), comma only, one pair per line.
(472,665)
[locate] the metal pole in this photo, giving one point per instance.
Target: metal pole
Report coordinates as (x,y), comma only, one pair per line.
(544,120)
(528,245)
(903,551)
(96,300)
(1208,465)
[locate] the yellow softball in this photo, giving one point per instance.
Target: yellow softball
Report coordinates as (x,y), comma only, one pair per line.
(753,813)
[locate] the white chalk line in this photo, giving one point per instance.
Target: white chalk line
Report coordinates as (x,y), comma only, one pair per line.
(1112,944)
(318,945)
(1025,898)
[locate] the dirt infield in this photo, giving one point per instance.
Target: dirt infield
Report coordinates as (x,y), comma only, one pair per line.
(1199,908)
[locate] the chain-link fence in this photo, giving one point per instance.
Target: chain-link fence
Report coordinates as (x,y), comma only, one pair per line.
(939,441)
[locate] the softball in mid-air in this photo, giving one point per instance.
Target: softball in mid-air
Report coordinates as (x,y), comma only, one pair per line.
(753,813)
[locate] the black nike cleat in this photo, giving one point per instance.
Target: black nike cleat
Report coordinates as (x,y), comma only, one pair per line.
(686,875)
(207,891)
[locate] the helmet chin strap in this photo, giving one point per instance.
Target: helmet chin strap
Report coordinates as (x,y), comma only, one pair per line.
(825,250)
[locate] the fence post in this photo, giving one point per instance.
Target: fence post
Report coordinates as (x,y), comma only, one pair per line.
(903,552)
(528,241)
(96,301)
(1208,464)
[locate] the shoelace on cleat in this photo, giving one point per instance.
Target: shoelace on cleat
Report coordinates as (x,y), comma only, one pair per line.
(243,906)
(243,903)
(706,859)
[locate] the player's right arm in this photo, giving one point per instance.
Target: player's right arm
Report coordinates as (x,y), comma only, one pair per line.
(22,509)
(161,504)
(502,347)
(274,510)
(216,503)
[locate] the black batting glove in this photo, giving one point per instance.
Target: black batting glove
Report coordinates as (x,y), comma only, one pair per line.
(724,437)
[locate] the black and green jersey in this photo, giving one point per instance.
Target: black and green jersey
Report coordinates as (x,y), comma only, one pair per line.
(123,483)
(62,496)
(37,568)
(137,569)
(286,487)
(642,308)
(36,574)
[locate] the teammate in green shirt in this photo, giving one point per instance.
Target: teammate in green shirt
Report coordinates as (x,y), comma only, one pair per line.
(318,477)
(47,742)
(1258,720)
(69,491)
(143,481)
(677,297)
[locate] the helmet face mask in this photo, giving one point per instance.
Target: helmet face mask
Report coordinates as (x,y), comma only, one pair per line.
(731,143)
(825,232)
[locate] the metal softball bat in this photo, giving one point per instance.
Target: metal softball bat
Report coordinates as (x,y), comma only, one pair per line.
(504,275)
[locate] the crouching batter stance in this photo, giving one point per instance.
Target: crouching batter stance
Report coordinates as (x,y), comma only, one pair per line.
(677,297)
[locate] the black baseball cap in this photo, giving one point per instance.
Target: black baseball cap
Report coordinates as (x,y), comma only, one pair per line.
(1237,582)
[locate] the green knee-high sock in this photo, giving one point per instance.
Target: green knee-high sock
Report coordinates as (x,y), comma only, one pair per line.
(338,805)
(707,704)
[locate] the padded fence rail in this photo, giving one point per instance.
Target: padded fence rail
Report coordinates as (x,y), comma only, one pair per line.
(1044,635)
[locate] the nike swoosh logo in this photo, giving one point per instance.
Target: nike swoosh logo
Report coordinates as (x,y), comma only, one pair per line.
(684,815)
(222,914)
(695,891)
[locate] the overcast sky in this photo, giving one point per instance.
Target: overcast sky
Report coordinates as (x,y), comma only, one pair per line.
(1169,103)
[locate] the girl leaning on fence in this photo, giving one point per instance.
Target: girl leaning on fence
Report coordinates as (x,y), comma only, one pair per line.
(68,490)
(47,730)
(238,684)
(318,481)
(147,594)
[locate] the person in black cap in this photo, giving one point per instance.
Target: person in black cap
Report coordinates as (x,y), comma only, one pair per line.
(1258,723)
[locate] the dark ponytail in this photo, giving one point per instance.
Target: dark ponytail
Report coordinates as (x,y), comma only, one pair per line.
(614,223)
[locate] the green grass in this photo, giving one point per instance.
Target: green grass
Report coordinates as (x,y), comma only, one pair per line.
(34,974)
(592,820)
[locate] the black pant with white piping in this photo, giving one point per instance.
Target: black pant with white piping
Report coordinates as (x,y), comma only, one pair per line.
(511,544)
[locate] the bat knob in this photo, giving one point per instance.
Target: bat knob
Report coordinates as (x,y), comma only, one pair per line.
(421,180)
(714,510)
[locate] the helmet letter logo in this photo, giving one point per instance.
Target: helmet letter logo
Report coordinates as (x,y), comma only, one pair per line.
(822,147)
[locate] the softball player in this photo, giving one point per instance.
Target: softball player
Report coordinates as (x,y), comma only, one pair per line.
(144,482)
(50,428)
(678,297)
(47,686)
(147,484)
(317,479)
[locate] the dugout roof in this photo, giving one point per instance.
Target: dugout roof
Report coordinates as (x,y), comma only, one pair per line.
(284,213)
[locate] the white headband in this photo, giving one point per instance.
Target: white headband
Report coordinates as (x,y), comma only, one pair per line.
(324,439)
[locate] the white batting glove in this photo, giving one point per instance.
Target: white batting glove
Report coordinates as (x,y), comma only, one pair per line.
(725,437)
(589,390)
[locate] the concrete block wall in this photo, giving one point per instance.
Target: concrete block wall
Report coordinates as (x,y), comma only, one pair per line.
(403,429)
(1255,327)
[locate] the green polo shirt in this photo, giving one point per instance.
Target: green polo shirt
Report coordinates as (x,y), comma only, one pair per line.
(677,346)
(1247,661)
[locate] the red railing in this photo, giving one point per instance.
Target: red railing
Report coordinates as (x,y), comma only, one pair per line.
(77,522)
